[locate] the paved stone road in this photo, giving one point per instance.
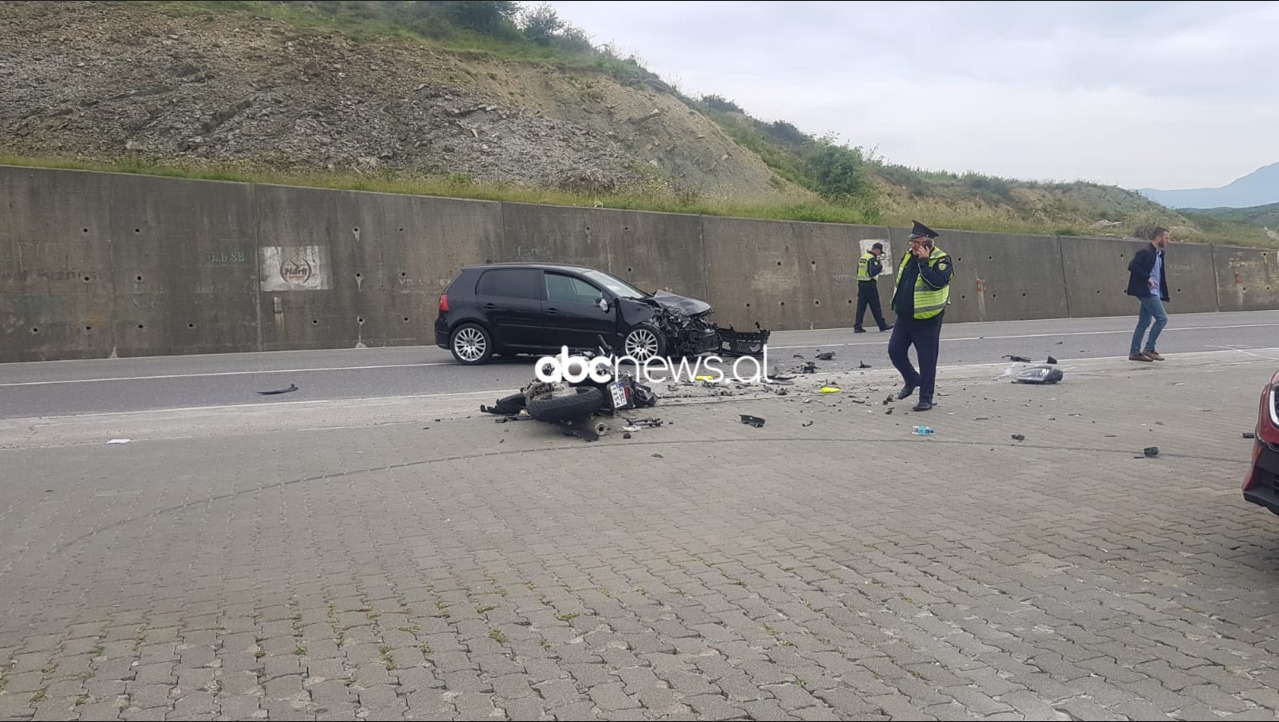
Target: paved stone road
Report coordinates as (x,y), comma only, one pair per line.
(386,560)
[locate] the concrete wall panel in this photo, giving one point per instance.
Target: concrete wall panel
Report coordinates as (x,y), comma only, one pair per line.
(183,264)
(1247,278)
(650,250)
(784,275)
(101,264)
(55,265)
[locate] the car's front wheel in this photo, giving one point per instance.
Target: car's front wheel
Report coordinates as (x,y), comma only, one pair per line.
(644,342)
(471,344)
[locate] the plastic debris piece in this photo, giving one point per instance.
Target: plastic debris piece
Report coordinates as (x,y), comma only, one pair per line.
(1040,374)
(119,441)
(1019,437)
(291,388)
(1249,435)
(627,435)
(863,365)
(807,423)
(826,355)
(1021,359)
(830,389)
(1052,360)
(923,431)
(704,378)
(1151,451)
(752,420)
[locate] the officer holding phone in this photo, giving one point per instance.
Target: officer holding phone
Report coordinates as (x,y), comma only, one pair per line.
(920,297)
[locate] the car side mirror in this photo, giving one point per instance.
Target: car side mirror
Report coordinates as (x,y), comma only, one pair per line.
(602,303)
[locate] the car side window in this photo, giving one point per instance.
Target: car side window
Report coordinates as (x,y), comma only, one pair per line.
(567,289)
(510,283)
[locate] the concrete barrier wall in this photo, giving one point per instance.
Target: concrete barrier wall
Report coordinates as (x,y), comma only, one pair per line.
(94,265)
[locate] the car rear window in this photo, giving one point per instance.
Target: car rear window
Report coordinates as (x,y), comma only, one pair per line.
(510,283)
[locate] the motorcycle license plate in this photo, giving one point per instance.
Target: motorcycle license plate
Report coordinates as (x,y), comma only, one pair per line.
(618,390)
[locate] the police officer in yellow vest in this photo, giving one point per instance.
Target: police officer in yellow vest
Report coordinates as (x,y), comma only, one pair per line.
(919,299)
(868,269)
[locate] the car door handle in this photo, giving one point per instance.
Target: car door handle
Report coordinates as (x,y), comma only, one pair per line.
(551,312)
(490,305)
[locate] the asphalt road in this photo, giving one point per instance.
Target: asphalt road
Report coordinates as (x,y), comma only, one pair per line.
(61,388)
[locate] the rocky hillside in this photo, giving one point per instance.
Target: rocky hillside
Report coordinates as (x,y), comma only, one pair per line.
(217,85)
(108,80)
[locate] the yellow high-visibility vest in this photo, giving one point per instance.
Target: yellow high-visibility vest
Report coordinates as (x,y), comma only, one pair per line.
(863,273)
(929,301)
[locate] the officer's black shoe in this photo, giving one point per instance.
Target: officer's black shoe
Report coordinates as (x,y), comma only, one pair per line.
(889,327)
(907,390)
(859,330)
(923,406)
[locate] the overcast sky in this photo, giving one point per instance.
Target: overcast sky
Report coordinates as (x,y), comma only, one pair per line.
(1134,94)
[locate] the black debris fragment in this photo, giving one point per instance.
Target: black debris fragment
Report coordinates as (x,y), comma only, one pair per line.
(863,365)
(1021,359)
(583,434)
(1052,360)
(1249,435)
(626,435)
(658,456)
(889,411)
(752,420)
(1151,451)
(826,355)
(888,400)
(807,423)
(1019,437)
(290,389)
(650,422)
(810,367)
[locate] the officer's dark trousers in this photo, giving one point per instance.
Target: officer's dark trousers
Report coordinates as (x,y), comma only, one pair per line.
(925,336)
(868,295)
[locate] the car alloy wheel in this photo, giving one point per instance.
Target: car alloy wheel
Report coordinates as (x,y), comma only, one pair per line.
(642,344)
(470,344)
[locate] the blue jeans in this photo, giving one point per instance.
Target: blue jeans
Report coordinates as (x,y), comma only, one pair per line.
(1151,309)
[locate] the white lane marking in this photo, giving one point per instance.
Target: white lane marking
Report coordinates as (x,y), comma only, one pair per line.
(272,405)
(1241,350)
(1041,335)
(224,373)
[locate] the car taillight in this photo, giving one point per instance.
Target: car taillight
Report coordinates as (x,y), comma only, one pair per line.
(444,303)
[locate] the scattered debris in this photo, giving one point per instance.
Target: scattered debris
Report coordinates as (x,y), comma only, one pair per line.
(1151,451)
(810,367)
(650,422)
(888,400)
(923,431)
(291,388)
(807,423)
(752,420)
(889,411)
(863,365)
(1249,435)
(119,441)
(658,456)
(982,418)
(1021,359)
(627,435)
(826,355)
(584,434)
(830,389)
(1019,437)
(1052,360)
(1041,374)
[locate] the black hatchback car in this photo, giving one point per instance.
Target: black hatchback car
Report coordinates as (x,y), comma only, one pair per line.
(538,308)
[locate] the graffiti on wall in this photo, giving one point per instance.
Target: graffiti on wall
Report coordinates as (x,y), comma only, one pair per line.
(295,268)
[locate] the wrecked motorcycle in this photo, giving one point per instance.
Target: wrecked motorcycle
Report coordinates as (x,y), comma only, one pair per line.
(574,403)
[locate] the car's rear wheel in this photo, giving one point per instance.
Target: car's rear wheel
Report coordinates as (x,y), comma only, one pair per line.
(644,342)
(471,344)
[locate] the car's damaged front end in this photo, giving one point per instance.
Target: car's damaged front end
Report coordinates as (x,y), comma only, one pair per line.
(689,326)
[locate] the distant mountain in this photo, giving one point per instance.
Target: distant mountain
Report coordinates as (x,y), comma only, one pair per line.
(1258,188)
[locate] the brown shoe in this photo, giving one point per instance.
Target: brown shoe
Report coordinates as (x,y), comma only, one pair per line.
(1139,357)
(1153,356)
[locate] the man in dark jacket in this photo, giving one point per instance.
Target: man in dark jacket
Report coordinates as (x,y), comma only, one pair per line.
(1148,281)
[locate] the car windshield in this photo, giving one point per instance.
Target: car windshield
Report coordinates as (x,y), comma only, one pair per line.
(615,285)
